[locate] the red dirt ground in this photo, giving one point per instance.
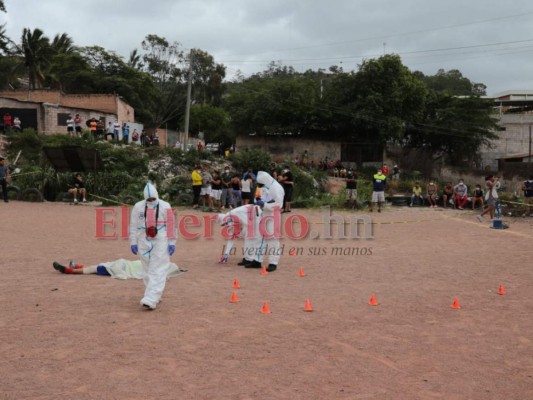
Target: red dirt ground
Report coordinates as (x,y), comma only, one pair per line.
(86,337)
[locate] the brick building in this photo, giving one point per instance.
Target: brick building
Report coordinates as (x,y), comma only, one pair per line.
(47,111)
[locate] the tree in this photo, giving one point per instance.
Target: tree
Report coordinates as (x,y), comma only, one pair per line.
(163,61)
(207,78)
(212,121)
(455,127)
(37,54)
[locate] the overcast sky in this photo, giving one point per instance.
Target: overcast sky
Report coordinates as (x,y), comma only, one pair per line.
(489,41)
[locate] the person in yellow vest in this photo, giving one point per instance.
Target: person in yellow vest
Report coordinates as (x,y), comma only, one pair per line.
(196,177)
(378,189)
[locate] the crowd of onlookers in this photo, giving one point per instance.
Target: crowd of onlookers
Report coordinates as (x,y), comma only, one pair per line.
(482,196)
(216,190)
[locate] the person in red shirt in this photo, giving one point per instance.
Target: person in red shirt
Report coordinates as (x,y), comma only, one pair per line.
(8,122)
(385,169)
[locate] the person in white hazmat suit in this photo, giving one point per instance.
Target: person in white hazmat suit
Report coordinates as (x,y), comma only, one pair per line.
(271,201)
(153,238)
(242,222)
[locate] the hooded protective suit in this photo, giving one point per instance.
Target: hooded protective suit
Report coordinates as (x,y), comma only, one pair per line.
(153,251)
(272,194)
(247,219)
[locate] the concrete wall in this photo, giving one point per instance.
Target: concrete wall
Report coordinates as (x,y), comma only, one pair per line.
(513,140)
(282,148)
(50,118)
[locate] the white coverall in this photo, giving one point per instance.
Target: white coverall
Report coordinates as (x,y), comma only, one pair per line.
(272,194)
(242,216)
(154,252)
(129,269)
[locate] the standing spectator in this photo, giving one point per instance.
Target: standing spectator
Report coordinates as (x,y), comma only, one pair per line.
(236,190)
(385,169)
(431,194)
(351,189)
(227,198)
(78,187)
(17,124)
(4,177)
(461,194)
(92,127)
(216,190)
(116,130)
(287,182)
(447,194)
(77,125)
(149,237)
(527,188)
(110,130)
(395,173)
(491,196)
(199,146)
(205,191)
(125,133)
(100,128)
(477,197)
(246,188)
(8,122)
(274,171)
(70,126)
(416,194)
(196,177)
(378,189)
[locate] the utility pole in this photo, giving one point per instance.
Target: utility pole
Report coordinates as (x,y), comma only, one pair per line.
(530,146)
(188,105)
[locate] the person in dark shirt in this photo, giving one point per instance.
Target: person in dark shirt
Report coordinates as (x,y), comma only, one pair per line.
(4,177)
(351,189)
(287,182)
(478,197)
(216,190)
(78,187)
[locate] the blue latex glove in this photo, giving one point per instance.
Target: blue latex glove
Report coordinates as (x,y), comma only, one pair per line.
(171,249)
(259,203)
(134,249)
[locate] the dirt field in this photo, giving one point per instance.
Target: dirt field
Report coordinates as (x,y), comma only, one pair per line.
(87,337)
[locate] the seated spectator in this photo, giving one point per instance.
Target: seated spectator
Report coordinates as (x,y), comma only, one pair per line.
(431,194)
(447,194)
(477,197)
(461,195)
(78,187)
(417,195)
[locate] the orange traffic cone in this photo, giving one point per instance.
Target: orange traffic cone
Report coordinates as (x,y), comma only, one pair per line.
(236,284)
(234,298)
(308,306)
(301,272)
(501,291)
(264,271)
(455,303)
(266,309)
(373,301)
